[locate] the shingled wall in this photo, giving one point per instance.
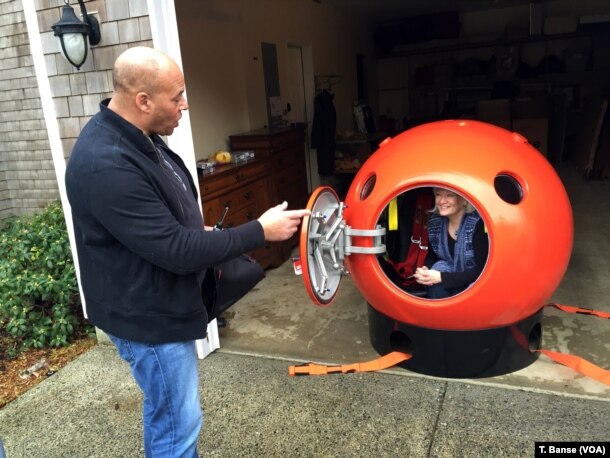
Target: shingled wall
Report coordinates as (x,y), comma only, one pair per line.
(27,175)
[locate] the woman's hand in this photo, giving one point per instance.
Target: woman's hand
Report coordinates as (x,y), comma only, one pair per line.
(427,277)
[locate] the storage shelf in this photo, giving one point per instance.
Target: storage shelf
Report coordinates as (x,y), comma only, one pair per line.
(452,80)
(601,76)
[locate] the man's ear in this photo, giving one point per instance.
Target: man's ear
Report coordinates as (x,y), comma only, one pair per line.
(143,102)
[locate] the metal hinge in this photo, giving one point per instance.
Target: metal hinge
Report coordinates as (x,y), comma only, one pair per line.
(329,246)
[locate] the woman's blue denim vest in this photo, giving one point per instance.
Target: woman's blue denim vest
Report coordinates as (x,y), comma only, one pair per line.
(463,257)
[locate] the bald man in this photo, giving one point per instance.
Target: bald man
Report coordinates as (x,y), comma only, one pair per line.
(142,248)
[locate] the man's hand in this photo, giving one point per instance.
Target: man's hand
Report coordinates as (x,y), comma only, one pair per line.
(279,224)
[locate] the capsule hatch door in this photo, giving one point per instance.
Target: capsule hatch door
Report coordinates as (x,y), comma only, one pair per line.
(325,241)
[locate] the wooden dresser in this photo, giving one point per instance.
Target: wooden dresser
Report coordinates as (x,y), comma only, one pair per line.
(277,173)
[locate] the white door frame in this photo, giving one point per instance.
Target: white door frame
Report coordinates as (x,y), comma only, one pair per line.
(50,117)
(164,29)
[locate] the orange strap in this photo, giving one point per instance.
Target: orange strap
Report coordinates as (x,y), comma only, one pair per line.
(580,310)
(580,365)
(384,362)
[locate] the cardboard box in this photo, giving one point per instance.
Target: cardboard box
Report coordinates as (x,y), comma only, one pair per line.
(424,75)
(530,108)
(424,105)
(496,112)
(560,24)
(443,73)
(526,115)
(516,31)
(577,60)
(503,123)
(493,110)
(536,131)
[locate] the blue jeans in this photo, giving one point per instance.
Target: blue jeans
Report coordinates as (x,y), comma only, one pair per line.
(167,375)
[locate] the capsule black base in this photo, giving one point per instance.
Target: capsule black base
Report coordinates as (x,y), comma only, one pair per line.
(458,354)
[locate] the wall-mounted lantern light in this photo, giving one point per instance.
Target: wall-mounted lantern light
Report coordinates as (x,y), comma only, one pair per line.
(73,33)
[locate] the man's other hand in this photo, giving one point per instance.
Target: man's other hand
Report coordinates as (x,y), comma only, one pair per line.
(279,224)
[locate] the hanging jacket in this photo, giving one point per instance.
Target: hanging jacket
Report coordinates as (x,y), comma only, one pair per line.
(323,132)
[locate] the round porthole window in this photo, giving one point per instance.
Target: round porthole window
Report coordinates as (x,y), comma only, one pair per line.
(508,188)
(409,247)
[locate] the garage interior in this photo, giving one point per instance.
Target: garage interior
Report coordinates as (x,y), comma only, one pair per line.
(545,76)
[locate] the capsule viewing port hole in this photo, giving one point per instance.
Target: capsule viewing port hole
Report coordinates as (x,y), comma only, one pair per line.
(508,189)
(368,187)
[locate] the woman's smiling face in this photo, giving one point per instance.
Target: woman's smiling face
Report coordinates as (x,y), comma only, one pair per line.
(448,202)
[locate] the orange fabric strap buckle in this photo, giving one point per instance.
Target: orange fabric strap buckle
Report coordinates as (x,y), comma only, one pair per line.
(384,362)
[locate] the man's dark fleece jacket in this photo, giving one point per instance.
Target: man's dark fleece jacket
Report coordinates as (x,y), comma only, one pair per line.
(141,246)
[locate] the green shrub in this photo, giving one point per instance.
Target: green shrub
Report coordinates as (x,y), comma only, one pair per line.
(39,301)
